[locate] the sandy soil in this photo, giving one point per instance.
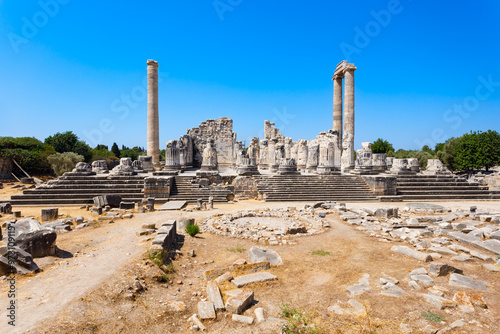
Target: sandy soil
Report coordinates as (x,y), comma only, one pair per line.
(82,291)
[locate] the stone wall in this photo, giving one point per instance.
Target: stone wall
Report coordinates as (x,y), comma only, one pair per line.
(158,187)
(245,187)
(221,130)
(381,185)
(6,165)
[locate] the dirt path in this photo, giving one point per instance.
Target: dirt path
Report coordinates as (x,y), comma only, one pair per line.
(43,296)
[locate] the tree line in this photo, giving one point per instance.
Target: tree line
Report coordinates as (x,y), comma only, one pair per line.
(60,152)
(471,151)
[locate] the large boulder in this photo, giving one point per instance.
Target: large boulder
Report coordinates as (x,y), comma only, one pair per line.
(260,254)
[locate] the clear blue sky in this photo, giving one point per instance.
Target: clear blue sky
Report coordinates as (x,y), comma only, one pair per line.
(428,72)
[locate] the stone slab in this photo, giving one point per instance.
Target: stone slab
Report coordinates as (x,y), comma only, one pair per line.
(439,302)
(206,310)
(173,205)
(239,301)
(412,253)
(214,295)
(466,282)
(242,319)
(241,281)
(260,254)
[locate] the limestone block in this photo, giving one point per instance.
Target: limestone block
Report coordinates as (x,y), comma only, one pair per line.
(49,214)
(467,282)
(206,310)
(260,254)
(214,295)
(412,253)
(239,301)
(243,319)
(253,278)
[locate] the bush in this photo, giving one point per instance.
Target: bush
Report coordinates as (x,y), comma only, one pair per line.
(64,162)
(192,230)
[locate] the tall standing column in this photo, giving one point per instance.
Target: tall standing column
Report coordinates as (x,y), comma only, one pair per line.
(153,121)
(337,104)
(349,115)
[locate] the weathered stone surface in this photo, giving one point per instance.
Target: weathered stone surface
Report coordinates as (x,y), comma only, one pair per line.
(104,200)
(442,250)
(182,223)
(481,256)
(491,245)
(206,310)
(463,302)
(250,267)
(412,253)
(440,269)
(462,258)
(439,302)
(362,287)
(214,295)
(386,213)
(148,226)
(259,315)
(5,208)
(392,290)
(491,267)
(196,322)
(173,205)
(260,254)
(239,301)
(127,205)
(424,280)
(242,319)
(467,282)
(50,214)
(223,278)
(241,281)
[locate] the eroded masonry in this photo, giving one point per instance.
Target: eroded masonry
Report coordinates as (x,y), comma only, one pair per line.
(209,162)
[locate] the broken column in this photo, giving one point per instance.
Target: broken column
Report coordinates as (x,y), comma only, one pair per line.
(153,122)
(349,162)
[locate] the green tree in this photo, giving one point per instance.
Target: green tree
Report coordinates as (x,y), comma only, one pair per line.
(467,152)
(115,150)
(382,146)
(489,143)
(62,142)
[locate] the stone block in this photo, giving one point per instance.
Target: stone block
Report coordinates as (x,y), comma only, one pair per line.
(260,254)
(440,269)
(127,205)
(206,310)
(466,282)
(412,253)
(50,214)
(5,208)
(239,301)
(242,319)
(223,278)
(38,243)
(439,302)
(148,226)
(214,295)
(107,200)
(259,315)
(241,281)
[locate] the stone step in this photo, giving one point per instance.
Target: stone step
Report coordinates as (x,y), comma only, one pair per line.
(82,191)
(60,196)
(445,197)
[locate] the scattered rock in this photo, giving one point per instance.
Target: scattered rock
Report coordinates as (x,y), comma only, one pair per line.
(259,315)
(260,254)
(439,302)
(440,269)
(466,282)
(241,281)
(242,319)
(239,300)
(206,310)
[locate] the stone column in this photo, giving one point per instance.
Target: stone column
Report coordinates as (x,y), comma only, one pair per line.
(349,115)
(337,103)
(153,122)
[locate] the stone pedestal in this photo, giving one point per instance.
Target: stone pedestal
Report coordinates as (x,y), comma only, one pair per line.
(264,154)
(288,166)
(172,158)
(436,167)
(401,167)
(379,162)
(153,142)
(125,168)
(100,167)
(147,163)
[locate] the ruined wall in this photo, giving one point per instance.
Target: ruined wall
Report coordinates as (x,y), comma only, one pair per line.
(270,131)
(221,130)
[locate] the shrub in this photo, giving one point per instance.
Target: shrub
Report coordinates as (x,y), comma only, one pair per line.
(192,230)
(432,317)
(296,321)
(64,162)
(321,252)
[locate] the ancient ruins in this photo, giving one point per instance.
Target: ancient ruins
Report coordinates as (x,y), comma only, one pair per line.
(309,221)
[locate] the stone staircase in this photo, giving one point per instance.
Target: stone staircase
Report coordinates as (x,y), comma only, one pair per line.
(184,190)
(311,188)
(440,187)
(79,190)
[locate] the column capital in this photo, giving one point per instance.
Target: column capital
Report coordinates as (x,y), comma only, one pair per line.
(338,76)
(350,67)
(152,62)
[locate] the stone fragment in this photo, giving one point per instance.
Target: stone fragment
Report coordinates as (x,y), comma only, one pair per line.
(127,205)
(242,319)
(206,310)
(196,322)
(463,302)
(490,245)
(223,278)
(466,282)
(424,280)
(260,254)
(214,295)
(440,269)
(259,315)
(239,301)
(439,302)
(412,253)
(358,308)
(462,258)
(50,214)
(392,290)
(414,285)
(357,289)
(148,226)
(241,281)
(182,223)
(481,256)
(491,267)
(442,250)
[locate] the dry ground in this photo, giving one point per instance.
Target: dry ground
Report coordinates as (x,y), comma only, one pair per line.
(85,291)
